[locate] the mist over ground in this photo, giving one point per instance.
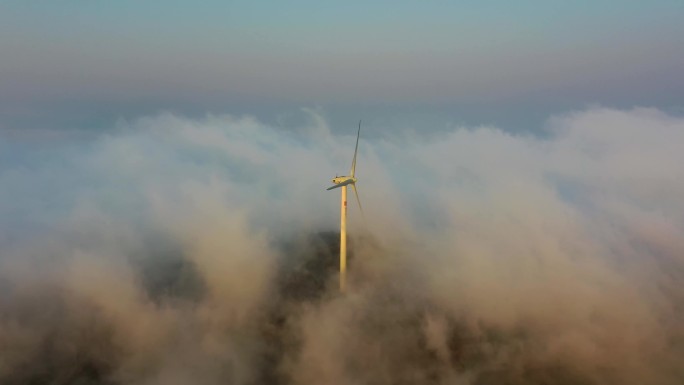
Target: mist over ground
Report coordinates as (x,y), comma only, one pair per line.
(170,250)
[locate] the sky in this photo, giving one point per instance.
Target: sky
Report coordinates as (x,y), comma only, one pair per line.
(396,64)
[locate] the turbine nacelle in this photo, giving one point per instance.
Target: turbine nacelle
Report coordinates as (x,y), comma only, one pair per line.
(344,180)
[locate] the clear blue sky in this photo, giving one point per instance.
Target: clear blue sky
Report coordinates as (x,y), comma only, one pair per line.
(512,63)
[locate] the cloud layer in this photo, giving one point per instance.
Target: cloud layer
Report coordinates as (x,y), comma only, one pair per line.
(173,251)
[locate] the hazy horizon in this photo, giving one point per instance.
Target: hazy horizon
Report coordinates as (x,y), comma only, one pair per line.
(85,65)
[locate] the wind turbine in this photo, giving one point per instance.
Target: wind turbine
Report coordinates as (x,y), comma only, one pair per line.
(343,182)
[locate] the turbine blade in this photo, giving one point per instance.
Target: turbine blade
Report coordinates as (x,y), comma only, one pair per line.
(353,168)
(358,200)
(335,186)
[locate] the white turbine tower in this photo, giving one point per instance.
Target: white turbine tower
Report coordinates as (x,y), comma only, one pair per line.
(344,181)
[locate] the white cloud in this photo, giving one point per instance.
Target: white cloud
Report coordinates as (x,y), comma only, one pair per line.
(486,255)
